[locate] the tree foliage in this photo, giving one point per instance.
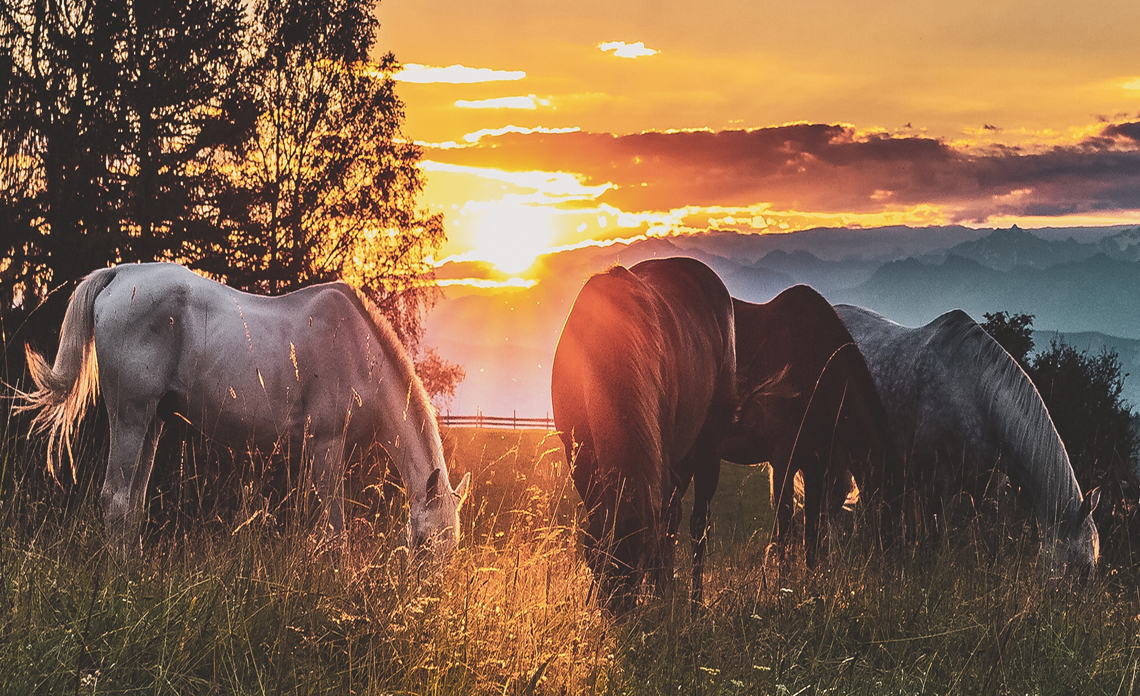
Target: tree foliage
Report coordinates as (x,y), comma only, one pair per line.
(256,142)
(440,377)
(1014,332)
(114,114)
(327,188)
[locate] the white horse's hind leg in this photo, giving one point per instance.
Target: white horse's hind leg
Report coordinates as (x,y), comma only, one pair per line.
(129,464)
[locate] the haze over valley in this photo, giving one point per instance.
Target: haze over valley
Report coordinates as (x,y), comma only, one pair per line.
(1080,283)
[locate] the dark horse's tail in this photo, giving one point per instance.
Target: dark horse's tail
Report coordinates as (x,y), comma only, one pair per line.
(65,390)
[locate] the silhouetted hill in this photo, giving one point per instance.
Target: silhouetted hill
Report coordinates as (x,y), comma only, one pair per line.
(825,276)
(1096,294)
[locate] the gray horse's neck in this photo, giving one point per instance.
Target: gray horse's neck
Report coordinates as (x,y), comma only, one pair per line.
(1037,460)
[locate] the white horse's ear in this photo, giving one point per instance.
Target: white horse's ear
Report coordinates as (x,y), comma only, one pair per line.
(462,489)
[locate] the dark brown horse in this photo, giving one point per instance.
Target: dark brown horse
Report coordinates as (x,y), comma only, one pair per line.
(643,389)
(808,405)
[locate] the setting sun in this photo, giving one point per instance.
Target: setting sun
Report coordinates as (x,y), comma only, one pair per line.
(511,236)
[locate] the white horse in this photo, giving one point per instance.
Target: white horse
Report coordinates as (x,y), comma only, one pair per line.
(958,405)
(319,370)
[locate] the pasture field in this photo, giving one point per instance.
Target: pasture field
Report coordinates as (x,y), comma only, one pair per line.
(244,605)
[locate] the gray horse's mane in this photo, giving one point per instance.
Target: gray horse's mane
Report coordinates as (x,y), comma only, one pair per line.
(1038,461)
(394,350)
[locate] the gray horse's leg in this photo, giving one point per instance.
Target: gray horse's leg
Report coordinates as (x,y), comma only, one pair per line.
(813,514)
(705,479)
(134,439)
(783,503)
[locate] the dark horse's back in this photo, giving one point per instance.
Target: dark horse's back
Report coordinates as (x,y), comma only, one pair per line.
(643,389)
(808,404)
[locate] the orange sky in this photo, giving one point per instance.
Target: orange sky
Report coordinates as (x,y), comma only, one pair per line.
(984,113)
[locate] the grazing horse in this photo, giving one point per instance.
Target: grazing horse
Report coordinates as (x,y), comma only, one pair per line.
(318,371)
(959,405)
(643,388)
(808,405)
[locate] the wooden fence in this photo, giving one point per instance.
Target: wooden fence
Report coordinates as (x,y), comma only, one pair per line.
(480,420)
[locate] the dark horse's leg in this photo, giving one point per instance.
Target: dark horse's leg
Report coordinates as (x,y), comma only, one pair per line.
(665,573)
(706,475)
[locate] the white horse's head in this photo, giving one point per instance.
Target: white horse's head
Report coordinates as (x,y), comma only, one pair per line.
(433,520)
(1075,549)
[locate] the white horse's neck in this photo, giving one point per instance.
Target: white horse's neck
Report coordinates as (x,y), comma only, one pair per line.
(410,435)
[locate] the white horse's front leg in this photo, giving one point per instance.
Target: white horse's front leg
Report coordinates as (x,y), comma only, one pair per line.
(328,479)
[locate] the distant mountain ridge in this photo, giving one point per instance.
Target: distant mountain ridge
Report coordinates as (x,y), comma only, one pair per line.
(1004,250)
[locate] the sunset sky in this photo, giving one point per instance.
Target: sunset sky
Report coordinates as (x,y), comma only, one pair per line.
(549,124)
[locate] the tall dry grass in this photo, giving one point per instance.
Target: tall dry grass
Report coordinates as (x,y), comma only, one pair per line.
(245,605)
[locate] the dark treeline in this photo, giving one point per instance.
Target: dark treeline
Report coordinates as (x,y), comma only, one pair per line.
(259,143)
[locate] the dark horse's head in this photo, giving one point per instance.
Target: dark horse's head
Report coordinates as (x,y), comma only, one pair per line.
(616,533)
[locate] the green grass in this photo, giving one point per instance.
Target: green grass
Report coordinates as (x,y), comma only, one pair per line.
(252,609)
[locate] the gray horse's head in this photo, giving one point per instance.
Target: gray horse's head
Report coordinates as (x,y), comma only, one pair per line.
(433,520)
(1075,548)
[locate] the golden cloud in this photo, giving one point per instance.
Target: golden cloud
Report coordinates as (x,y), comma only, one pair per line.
(622,49)
(529,102)
(454,74)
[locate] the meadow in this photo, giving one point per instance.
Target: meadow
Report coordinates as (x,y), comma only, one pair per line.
(246,604)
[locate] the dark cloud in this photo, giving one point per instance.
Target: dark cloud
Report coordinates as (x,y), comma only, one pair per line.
(1125,130)
(831,168)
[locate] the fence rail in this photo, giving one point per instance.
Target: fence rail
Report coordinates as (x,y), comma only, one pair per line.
(480,420)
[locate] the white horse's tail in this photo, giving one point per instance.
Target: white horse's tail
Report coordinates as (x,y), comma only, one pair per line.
(64,391)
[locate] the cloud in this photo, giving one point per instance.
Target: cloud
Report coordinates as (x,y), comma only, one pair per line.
(821,170)
(454,74)
(623,50)
(486,284)
(1130,131)
(553,185)
(518,130)
(529,102)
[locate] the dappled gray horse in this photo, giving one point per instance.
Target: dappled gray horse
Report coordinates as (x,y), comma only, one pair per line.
(318,371)
(958,405)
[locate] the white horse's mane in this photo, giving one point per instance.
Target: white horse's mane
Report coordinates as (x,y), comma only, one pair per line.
(386,335)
